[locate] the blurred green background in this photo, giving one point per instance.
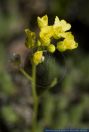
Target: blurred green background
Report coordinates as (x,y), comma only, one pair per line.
(66,105)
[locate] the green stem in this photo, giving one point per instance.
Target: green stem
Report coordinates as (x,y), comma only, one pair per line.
(25,74)
(35,98)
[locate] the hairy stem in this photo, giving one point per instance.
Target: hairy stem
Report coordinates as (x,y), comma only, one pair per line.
(35,98)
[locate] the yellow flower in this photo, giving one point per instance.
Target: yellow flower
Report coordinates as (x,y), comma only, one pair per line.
(51,48)
(38,57)
(60,27)
(67,44)
(42,22)
(30,38)
(62,23)
(45,35)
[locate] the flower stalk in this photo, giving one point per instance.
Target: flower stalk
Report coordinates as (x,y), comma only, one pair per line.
(35,98)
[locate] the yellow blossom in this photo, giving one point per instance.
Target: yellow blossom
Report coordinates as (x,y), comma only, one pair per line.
(45,35)
(30,38)
(37,57)
(46,32)
(62,23)
(67,44)
(42,22)
(60,26)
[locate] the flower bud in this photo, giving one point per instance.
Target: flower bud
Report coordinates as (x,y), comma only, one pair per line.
(30,38)
(51,48)
(38,57)
(61,47)
(38,43)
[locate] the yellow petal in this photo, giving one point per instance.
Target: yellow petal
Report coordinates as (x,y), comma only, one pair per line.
(37,57)
(42,22)
(57,21)
(45,35)
(70,44)
(57,32)
(67,35)
(65,26)
(62,23)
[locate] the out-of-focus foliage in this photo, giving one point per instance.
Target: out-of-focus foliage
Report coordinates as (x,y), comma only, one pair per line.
(9,115)
(6,85)
(59,7)
(10,19)
(67,102)
(69,107)
(71,9)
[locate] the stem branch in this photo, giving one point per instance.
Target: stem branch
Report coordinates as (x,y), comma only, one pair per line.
(35,97)
(25,74)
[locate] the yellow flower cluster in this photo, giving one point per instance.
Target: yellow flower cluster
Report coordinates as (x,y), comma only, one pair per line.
(60,29)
